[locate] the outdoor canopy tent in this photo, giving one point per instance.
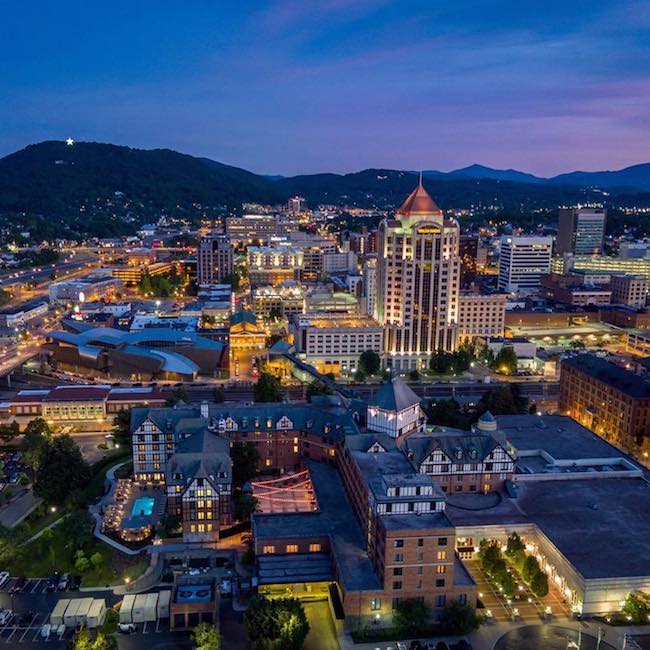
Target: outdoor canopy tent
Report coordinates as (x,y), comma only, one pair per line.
(126,610)
(56,617)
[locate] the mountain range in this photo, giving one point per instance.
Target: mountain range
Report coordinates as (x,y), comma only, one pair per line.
(88,181)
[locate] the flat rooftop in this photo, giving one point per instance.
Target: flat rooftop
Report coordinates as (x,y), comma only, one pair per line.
(618,378)
(558,435)
(334,519)
(601,526)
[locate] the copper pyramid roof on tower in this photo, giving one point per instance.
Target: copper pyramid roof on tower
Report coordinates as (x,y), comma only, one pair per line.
(419,202)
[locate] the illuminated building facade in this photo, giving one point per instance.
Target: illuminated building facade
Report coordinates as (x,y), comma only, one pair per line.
(418,282)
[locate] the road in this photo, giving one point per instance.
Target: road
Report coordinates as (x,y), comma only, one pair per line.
(473,390)
(30,275)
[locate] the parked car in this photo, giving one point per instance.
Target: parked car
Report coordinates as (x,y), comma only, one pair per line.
(5,616)
(416,645)
(64,581)
(441,645)
(126,628)
(52,582)
(19,585)
(75,583)
(26,619)
(4,578)
(45,631)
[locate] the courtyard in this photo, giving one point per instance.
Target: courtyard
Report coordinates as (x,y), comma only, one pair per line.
(292,492)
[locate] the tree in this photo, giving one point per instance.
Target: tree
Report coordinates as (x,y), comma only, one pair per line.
(504,400)
(37,436)
(48,538)
(359,375)
(245,505)
(77,528)
(9,431)
(318,388)
(459,618)
(179,394)
(145,286)
(278,624)
(516,550)
(97,559)
(245,458)
(447,413)
(530,568)
(61,470)
(105,642)
(505,362)
(267,389)
(206,637)
(369,362)
(410,616)
(414,375)
(539,585)
(637,605)
(82,640)
(122,426)
(81,562)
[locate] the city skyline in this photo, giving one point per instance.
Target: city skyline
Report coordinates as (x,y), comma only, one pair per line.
(503,86)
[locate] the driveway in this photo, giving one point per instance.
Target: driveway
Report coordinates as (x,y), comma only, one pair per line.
(322,635)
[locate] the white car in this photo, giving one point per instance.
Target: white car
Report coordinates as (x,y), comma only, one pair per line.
(5,616)
(126,628)
(45,631)
(4,578)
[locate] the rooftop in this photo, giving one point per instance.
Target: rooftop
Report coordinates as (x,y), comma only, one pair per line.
(335,520)
(419,202)
(618,378)
(394,395)
(589,521)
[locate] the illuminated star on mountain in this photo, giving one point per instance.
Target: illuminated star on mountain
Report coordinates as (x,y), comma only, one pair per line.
(69,142)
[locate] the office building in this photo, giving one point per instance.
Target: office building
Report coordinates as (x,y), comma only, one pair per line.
(271,265)
(418,282)
(581,231)
(370,285)
(522,262)
(214,259)
(631,290)
(481,314)
(279,301)
(90,289)
(333,343)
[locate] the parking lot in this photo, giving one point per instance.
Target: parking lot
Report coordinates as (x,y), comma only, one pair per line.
(35,598)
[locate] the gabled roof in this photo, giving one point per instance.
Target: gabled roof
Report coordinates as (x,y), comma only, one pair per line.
(395,395)
(473,447)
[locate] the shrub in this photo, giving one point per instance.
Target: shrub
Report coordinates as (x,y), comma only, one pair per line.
(530,568)
(459,618)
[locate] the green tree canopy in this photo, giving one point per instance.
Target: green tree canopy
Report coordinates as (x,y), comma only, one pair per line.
(539,585)
(278,624)
(369,362)
(268,389)
(206,637)
(505,362)
(459,618)
(318,388)
(179,394)
(122,426)
(61,470)
(410,616)
(245,458)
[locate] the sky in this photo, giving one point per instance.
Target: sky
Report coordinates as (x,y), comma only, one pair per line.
(305,86)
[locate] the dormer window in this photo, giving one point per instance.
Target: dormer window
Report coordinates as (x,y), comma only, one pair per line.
(269,423)
(257,423)
(459,454)
(473,453)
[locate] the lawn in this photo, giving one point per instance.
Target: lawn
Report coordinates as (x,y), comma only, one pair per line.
(41,557)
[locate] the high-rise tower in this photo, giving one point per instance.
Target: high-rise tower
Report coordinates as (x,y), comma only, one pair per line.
(418,282)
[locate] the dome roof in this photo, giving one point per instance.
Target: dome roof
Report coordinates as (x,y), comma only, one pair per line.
(419,202)
(487,422)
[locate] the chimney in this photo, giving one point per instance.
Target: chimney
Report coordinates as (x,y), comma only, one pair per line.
(205,410)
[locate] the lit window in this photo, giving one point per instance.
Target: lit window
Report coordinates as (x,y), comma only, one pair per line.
(314,548)
(266,550)
(292,548)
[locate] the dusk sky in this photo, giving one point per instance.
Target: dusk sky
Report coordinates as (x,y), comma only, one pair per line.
(305,86)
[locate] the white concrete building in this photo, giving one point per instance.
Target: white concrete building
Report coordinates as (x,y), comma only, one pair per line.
(522,262)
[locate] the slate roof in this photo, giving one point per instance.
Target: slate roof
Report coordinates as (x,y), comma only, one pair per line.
(473,447)
(394,395)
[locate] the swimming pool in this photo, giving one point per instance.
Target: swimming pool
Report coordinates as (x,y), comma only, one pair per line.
(142,507)
(194,594)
